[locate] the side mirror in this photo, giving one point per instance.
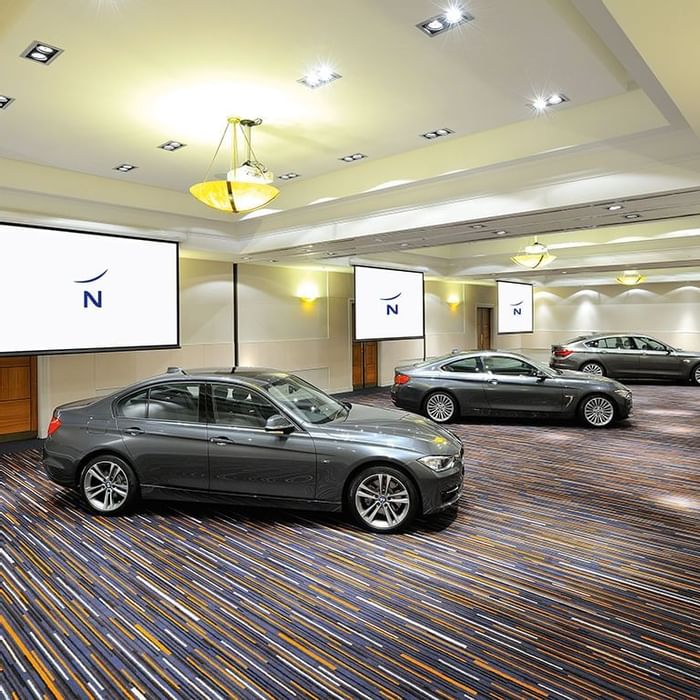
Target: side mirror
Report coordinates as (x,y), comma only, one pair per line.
(347,405)
(278,424)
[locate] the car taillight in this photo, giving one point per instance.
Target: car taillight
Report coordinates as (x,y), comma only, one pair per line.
(54,425)
(401,378)
(563,353)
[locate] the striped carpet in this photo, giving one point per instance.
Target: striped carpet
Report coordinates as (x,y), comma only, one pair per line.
(570,570)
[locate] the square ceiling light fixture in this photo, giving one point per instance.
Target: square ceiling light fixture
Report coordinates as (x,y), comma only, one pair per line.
(542,103)
(437,133)
(40,52)
(172,145)
(125,167)
(6,101)
(448,19)
(318,77)
(353,157)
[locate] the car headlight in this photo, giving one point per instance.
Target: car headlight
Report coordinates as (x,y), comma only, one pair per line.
(625,393)
(437,463)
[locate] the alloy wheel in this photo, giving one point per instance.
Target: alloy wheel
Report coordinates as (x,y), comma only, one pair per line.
(382,501)
(106,486)
(440,407)
(696,374)
(598,411)
(593,368)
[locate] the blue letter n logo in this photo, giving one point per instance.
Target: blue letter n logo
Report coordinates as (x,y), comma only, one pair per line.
(87,297)
(392,309)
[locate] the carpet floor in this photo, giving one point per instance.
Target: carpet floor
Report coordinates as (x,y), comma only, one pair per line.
(571,569)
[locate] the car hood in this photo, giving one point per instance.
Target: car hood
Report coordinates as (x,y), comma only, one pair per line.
(389,427)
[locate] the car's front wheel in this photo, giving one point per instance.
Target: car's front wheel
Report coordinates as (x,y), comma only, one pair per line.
(383,499)
(440,406)
(593,368)
(695,374)
(597,411)
(108,485)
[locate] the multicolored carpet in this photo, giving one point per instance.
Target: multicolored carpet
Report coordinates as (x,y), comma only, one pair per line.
(570,570)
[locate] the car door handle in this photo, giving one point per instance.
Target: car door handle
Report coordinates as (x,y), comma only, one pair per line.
(134,431)
(493,381)
(222,440)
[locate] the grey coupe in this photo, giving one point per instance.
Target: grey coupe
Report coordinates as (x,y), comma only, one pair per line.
(252,437)
(627,355)
(497,383)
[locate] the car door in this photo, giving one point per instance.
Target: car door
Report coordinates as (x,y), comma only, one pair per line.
(515,385)
(657,359)
(466,379)
(165,435)
(620,356)
(246,459)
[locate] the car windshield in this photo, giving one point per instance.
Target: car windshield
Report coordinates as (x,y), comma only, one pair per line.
(304,401)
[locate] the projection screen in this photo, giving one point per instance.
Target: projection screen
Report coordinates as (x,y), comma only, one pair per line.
(389,304)
(68,291)
(515,307)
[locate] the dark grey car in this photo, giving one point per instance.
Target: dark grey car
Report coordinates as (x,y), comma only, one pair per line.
(253,436)
(503,383)
(627,355)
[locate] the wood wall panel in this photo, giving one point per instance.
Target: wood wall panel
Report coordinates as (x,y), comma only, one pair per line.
(17,396)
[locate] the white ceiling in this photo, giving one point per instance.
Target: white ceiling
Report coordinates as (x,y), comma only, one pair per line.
(135,74)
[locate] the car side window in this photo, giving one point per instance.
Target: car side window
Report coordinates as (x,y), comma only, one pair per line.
(650,344)
(134,406)
(618,342)
(174,402)
(240,407)
(594,343)
(508,365)
(467,364)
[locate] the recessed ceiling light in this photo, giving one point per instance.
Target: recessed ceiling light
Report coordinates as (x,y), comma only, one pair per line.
(6,101)
(448,19)
(288,176)
(477,226)
(615,207)
(41,52)
(172,145)
(437,133)
(541,103)
(318,77)
(352,157)
(501,233)
(632,216)
(125,167)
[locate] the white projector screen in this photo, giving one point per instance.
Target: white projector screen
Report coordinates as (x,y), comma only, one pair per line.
(389,304)
(515,306)
(65,291)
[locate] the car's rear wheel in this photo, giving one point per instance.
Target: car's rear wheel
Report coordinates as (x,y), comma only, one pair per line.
(594,368)
(383,499)
(108,485)
(695,374)
(597,411)
(440,406)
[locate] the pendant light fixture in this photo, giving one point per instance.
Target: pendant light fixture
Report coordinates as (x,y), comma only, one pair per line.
(534,256)
(630,278)
(248,182)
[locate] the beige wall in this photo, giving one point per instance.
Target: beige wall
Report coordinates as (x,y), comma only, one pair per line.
(206,336)
(670,312)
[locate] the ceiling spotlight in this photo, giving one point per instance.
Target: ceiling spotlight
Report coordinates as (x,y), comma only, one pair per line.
(352,157)
(437,133)
(318,77)
(125,167)
(503,233)
(533,256)
(449,19)
(6,101)
(632,216)
(541,103)
(615,207)
(41,52)
(477,226)
(172,145)
(630,278)
(288,176)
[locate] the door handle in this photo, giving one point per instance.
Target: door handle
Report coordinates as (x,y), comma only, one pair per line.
(222,440)
(134,431)
(493,381)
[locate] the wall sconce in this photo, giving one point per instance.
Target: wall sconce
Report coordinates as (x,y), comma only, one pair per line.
(454,300)
(308,292)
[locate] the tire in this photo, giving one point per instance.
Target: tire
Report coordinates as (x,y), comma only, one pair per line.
(382,499)
(108,485)
(440,407)
(597,411)
(594,368)
(695,374)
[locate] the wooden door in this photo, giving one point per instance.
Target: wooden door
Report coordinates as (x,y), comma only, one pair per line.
(17,397)
(484,335)
(364,360)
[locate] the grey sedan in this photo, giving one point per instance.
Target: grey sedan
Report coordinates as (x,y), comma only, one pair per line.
(627,355)
(507,384)
(253,437)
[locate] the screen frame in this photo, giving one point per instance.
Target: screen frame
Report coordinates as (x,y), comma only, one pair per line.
(532,306)
(354,293)
(118,348)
